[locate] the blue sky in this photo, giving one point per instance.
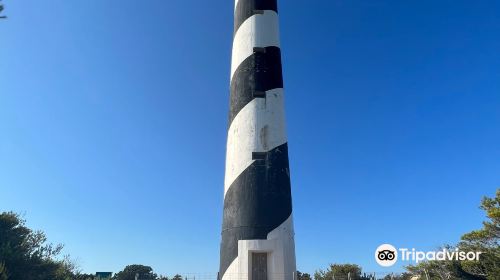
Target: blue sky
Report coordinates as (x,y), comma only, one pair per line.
(113,117)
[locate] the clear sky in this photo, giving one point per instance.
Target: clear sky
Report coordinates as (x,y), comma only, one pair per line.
(113,118)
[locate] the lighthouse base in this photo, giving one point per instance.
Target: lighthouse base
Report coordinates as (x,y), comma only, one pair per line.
(271,259)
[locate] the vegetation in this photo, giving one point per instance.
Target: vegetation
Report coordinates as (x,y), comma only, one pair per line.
(303,276)
(485,240)
(145,272)
(403,276)
(341,271)
(26,254)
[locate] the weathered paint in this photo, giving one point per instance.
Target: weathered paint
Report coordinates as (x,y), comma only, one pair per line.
(258,127)
(257,192)
(247,8)
(245,40)
(259,72)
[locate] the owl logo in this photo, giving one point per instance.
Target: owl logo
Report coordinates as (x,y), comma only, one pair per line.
(386,255)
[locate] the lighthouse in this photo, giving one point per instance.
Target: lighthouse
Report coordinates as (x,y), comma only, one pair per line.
(257,230)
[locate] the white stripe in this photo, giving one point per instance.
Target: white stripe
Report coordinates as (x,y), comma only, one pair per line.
(258,127)
(257,31)
(232,271)
(285,233)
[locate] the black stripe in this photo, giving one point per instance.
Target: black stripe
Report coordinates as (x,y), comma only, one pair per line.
(257,202)
(259,72)
(248,8)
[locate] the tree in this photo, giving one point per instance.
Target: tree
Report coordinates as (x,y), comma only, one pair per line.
(303,276)
(432,270)
(84,276)
(441,270)
(340,271)
(129,272)
(26,254)
(402,276)
(3,272)
(485,240)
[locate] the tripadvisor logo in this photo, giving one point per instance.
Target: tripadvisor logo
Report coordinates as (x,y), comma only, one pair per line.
(387,255)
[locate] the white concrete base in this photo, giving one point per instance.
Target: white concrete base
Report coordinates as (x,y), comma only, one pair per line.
(279,246)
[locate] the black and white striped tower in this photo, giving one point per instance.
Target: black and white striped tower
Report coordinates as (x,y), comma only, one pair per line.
(257,231)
